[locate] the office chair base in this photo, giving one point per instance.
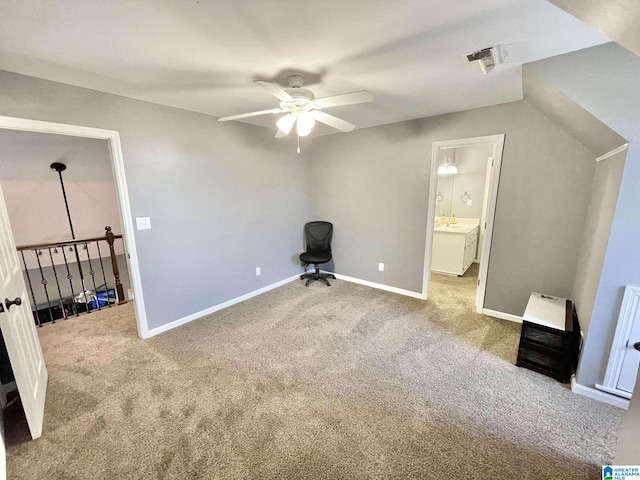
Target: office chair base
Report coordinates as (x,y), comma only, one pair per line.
(317,276)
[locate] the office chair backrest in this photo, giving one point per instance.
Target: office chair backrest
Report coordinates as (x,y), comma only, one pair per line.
(318,236)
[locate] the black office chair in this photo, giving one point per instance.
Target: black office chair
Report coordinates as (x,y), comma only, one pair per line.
(317,236)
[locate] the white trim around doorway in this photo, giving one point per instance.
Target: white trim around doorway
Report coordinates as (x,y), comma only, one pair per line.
(117,162)
(498,142)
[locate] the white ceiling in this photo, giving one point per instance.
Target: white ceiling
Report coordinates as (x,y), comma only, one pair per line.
(202,55)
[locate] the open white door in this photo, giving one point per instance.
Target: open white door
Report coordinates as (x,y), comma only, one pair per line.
(19,330)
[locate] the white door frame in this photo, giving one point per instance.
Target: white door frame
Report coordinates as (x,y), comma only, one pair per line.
(117,162)
(622,346)
(498,142)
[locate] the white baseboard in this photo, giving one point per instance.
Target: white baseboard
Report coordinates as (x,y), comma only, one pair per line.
(598,395)
(379,286)
(502,315)
(215,308)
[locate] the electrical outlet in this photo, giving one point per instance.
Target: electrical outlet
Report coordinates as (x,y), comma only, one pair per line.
(258,272)
(143,223)
(381,267)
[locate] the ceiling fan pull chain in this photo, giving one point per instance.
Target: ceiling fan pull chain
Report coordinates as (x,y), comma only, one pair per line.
(298,143)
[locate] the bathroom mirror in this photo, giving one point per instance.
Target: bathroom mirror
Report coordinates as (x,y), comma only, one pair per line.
(461,194)
(444,197)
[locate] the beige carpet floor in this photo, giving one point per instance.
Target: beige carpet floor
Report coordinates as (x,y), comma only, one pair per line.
(455,298)
(305,383)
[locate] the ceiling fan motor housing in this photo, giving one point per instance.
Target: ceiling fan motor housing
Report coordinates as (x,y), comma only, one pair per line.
(295,81)
(302,100)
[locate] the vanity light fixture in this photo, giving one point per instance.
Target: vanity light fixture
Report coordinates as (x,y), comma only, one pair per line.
(448,169)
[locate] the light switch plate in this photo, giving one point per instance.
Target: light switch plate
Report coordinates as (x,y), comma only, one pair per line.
(143,223)
(381,267)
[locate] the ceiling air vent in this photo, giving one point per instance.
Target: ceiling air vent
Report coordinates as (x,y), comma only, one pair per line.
(485,59)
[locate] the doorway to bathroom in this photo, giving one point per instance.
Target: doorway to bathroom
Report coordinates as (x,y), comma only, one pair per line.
(463,192)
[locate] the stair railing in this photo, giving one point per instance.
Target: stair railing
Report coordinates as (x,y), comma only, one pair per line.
(44,263)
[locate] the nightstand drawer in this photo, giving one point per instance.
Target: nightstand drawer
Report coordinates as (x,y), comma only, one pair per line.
(551,361)
(534,334)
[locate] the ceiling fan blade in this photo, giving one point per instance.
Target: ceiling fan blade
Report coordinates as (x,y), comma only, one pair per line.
(251,114)
(345,99)
(285,124)
(332,121)
(274,89)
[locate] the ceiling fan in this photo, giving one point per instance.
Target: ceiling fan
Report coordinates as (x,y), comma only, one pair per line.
(302,108)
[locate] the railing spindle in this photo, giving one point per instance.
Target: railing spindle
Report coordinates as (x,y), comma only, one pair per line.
(93,277)
(84,287)
(33,297)
(104,277)
(55,274)
(70,278)
(44,285)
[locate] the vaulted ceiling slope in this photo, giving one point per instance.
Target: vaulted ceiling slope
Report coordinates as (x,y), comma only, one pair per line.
(618,19)
(202,55)
(603,80)
(574,119)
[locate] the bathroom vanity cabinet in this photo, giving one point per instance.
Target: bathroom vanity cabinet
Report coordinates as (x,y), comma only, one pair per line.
(454,248)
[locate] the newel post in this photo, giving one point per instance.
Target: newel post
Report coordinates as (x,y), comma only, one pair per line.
(114,265)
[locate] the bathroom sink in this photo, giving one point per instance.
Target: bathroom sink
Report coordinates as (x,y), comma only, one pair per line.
(452,226)
(460,227)
(455,227)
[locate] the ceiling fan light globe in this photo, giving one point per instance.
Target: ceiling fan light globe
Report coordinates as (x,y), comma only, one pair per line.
(286,123)
(305,123)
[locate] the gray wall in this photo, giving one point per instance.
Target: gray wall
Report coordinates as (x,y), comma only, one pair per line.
(604,196)
(223,198)
(620,268)
(374,185)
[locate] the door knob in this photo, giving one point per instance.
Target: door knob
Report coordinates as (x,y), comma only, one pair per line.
(637,346)
(8,303)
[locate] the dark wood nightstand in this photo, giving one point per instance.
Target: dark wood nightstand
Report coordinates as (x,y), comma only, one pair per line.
(550,338)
